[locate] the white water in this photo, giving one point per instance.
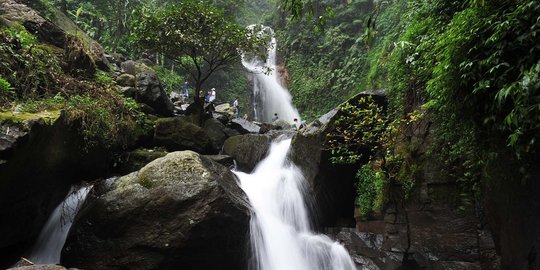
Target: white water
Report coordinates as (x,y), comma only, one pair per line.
(281,235)
(52,237)
(269,96)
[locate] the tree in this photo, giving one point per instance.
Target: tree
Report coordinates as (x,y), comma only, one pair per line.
(195,35)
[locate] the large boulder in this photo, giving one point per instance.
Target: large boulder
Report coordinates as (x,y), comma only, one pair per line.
(178,133)
(179,211)
(248,149)
(150,91)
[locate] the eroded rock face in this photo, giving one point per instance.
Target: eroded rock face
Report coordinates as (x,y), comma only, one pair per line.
(180,211)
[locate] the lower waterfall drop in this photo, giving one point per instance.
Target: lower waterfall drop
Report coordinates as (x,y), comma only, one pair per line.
(281,234)
(52,237)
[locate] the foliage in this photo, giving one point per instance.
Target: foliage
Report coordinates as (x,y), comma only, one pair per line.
(6,90)
(370,187)
(193,31)
(170,80)
(103,78)
(358,131)
(31,68)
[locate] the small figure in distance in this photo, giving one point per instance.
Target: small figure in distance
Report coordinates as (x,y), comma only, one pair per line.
(275,117)
(186,86)
(236,107)
(212,95)
(295,124)
(246,116)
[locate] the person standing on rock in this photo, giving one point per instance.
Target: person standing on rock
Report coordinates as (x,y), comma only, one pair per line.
(236,107)
(295,124)
(275,117)
(212,95)
(186,86)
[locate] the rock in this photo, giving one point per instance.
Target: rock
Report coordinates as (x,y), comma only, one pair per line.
(225,108)
(248,149)
(216,132)
(125,80)
(150,92)
(79,62)
(135,160)
(282,124)
(179,210)
(128,91)
(39,267)
(244,126)
(129,67)
(178,133)
(41,162)
(265,127)
(223,118)
(224,160)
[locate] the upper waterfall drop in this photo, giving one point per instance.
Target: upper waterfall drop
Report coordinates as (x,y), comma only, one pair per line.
(269,96)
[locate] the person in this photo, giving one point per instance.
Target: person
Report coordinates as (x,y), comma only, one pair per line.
(246,116)
(208,95)
(236,107)
(295,124)
(212,95)
(302,124)
(275,117)
(186,86)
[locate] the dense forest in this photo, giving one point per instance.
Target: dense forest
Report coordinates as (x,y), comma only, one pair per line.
(437,101)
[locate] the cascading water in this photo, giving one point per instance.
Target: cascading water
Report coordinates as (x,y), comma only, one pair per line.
(281,237)
(52,237)
(269,96)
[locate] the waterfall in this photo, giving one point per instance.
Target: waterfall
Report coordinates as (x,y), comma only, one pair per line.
(52,237)
(281,235)
(269,96)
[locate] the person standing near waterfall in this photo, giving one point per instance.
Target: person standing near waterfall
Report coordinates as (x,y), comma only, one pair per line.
(236,107)
(212,95)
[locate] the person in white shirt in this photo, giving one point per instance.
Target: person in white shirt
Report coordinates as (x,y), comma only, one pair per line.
(213,95)
(236,107)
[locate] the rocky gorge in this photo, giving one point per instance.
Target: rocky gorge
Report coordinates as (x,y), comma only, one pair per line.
(165,197)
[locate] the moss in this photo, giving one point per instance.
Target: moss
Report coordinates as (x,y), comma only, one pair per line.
(17,118)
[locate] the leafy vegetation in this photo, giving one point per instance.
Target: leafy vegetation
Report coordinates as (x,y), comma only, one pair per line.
(201,48)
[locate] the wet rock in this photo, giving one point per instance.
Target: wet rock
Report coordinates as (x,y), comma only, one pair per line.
(178,133)
(248,149)
(39,267)
(216,132)
(180,210)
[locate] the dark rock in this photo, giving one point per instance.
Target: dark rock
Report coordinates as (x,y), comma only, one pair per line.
(224,160)
(180,210)
(147,61)
(40,166)
(265,127)
(39,267)
(244,126)
(216,132)
(282,124)
(135,160)
(248,149)
(125,80)
(128,91)
(150,92)
(178,133)
(223,118)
